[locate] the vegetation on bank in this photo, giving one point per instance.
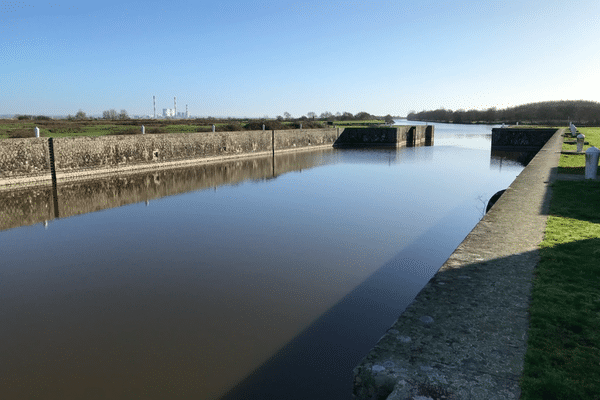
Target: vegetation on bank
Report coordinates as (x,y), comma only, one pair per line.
(575,163)
(563,348)
(20,128)
(542,113)
(120,124)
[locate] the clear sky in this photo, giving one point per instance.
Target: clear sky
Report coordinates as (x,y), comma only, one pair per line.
(261,57)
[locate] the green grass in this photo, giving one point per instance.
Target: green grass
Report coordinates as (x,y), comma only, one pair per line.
(575,164)
(563,349)
(360,122)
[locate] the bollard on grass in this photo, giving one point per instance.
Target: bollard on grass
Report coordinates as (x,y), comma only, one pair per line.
(580,140)
(143,130)
(591,162)
(37,132)
(573,129)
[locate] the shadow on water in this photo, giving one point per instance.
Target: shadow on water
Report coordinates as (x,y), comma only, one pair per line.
(303,369)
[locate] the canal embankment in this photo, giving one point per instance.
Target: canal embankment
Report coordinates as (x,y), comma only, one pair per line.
(42,161)
(465,333)
(27,162)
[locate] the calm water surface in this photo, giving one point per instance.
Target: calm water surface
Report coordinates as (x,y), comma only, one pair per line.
(244,280)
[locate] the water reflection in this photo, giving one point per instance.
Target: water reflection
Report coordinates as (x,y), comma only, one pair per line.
(500,158)
(42,204)
(173,290)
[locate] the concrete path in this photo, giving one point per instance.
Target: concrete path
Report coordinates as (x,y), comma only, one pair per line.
(465,334)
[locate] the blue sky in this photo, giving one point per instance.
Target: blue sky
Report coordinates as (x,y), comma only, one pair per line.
(256,58)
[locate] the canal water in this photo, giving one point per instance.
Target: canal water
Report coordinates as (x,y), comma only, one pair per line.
(251,279)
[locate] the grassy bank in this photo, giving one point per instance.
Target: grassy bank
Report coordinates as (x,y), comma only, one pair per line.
(14,128)
(575,164)
(563,349)
(359,123)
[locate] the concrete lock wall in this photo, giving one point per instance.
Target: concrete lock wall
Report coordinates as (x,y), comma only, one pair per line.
(402,136)
(26,161)
(520,139)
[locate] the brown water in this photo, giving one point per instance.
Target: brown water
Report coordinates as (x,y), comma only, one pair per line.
(275,278)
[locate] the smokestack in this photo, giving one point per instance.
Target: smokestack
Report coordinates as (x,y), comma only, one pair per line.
(186,112)
(175,101)
(154,101)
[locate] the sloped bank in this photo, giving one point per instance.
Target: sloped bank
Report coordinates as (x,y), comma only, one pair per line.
(464,336)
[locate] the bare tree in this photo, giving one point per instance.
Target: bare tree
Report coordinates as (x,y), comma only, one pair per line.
(123,114)
(109,114)
(287,115)
(311,115)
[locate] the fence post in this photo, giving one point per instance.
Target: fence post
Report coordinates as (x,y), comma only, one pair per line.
(143,130)
(53,172)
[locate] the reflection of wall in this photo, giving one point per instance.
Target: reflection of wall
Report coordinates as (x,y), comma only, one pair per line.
(35,205)
(27,159)
(498,157)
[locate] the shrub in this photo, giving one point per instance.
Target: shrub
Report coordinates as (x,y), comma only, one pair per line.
(234,126)
(21,133)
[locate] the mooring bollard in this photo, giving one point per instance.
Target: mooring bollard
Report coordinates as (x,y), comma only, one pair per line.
(591,162)
(300,126)
(573,129)
(213,128)
(580,140)
(143,130)
(37,132)
(263,127)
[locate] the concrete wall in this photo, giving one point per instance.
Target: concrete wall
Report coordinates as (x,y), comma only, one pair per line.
(26,161)
(464,335)
(520,138)
(402,136)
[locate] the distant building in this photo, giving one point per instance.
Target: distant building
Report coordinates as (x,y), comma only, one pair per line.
(168,112)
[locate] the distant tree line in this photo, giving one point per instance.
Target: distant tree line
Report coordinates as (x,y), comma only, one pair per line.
(547,112)
(328,116)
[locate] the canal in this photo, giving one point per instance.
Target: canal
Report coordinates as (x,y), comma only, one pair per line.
(251,279)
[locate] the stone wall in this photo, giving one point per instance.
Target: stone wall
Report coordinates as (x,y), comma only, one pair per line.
(291,139)
(24,157)
(26,161)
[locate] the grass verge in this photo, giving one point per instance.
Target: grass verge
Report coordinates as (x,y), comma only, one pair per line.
(563,349)
(575,164)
